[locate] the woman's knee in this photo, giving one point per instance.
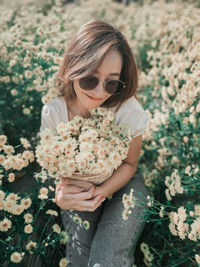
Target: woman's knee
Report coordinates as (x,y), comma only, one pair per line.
(140,191)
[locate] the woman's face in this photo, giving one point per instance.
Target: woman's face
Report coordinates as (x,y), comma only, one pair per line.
(109,69)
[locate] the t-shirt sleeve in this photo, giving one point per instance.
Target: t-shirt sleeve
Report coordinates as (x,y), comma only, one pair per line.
(50,116)
(131,113)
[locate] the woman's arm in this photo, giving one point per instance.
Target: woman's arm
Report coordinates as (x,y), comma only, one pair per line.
(81,195)
(124,172)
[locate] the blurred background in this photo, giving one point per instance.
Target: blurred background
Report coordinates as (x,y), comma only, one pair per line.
(165,40)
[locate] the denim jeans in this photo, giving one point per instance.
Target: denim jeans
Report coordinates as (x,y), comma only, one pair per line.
(110,241)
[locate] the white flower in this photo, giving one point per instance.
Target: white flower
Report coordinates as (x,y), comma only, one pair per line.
(197,258)
(172,229)
(161,211)
(2,158)
(5,225)
(44,190)
(11,177)
(16,257)
(25,142)
(43,193)
(26,111)
(56,228)
(12,197)
(167,194)
(129,202)
(17,209)
(31,245)
(81,162)
(192,119)
(110,116)
(89,135)
(28,229)
(187,170)
(3,139)
(86,225)
(28,74)
(197,210)
(77,219)
(66,168)
(125,214)
(63,262)
(144,247)
(65,238)
(69,145)
(2,195)
(28,218)
(12,63)
(52,212)
(14,92)
(115,158)
(26,202)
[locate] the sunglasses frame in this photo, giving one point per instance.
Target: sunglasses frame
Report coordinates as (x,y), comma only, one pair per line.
(104,84)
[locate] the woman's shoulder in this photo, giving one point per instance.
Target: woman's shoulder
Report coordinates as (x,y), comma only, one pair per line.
(53,104)
(129,105)
(56,106)
(132,113)
(54,112)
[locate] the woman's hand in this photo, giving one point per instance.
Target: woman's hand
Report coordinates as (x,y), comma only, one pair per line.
(77,195)
(84,185)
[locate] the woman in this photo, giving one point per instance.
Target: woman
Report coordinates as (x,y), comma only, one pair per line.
(99,69)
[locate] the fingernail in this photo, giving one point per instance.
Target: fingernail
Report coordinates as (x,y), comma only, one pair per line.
(102,199)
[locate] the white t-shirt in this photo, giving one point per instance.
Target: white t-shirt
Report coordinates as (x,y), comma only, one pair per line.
(130,113)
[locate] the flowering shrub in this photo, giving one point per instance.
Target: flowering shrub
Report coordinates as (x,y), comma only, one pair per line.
(169,81)
(30,55)
(165,39)
(27,220)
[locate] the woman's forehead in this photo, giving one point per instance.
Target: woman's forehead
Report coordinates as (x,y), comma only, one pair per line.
(112,63)
(111,74)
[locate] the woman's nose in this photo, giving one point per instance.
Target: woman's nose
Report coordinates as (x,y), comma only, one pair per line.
(99,89)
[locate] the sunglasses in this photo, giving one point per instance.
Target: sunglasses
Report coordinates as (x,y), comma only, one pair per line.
(112,87)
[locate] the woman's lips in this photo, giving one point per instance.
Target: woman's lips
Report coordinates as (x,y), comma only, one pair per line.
(94,99)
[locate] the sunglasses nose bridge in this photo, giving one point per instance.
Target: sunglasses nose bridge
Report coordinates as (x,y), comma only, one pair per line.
(100,86)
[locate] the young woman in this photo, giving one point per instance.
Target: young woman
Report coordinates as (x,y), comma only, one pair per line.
(99,69)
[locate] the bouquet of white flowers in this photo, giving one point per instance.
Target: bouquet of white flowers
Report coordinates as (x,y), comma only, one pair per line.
(84,148)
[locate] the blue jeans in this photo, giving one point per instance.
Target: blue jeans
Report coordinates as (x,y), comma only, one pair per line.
(110,241)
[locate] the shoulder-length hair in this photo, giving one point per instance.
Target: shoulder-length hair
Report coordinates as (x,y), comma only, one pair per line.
(86,51)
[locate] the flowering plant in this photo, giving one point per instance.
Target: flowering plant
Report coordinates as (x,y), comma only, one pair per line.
(10,162)
(90,146)
(28,216)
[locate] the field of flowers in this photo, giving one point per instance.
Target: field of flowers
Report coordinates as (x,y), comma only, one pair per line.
(165,38)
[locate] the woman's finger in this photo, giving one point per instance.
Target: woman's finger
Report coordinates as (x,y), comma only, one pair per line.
(63,185)
(77,201)
(72,189)
(79,196)
(92,204)
(65,180)
(81,183)
(70,181)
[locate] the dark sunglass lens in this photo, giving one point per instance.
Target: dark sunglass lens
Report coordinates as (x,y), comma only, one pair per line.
(88,83)
(114,86)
